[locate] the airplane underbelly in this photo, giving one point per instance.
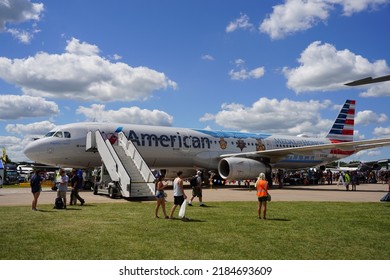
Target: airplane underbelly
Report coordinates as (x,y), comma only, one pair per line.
(298,161)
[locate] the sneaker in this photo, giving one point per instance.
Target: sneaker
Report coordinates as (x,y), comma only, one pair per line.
(202,205)
(82,203)
(190,204)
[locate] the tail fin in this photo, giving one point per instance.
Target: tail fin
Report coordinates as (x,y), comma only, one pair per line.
(342,129)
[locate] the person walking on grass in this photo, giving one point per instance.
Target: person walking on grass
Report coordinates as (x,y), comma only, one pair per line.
(160,196)
(74,194)
(197,190)
(178,193)
(262,194)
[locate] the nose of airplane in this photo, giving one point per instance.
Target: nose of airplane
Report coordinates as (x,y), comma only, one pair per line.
(33,150)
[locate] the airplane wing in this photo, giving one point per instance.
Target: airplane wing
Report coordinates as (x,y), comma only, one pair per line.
(369,80)
(277,154)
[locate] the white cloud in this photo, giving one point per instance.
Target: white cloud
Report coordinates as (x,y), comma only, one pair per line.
(323,67)
(294,16)
(81,48)
(207,117)
(382,131)
(207,57)
(14,147)
(377,90)
(38,128)
(17,107)
(81,74)
(367,117)
(135,115)
(242,73)
(274,116)
(241,23)
(19,11)
(355,6)
(300,15)
(22,35)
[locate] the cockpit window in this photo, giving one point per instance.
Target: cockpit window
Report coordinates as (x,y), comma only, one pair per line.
(50,134)
(58,134)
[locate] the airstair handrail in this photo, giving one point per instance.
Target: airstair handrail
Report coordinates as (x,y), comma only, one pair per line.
(132,151)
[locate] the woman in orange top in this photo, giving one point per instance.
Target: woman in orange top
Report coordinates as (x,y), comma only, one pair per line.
(262,192)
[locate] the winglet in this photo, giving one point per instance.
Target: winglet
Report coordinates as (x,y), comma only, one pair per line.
(342,129)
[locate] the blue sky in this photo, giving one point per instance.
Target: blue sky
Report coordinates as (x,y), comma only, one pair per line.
(271,66)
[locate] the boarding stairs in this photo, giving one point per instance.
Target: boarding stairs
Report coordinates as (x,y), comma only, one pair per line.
(124,164)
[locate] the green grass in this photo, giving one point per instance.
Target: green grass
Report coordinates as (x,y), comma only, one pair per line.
(224,230)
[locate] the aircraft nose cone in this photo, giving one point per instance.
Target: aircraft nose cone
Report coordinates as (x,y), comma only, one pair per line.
(33,151)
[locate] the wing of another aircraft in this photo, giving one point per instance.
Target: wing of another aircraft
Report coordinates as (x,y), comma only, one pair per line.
(369,80)
(276,154)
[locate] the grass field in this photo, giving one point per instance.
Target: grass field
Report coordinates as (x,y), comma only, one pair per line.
(223,230)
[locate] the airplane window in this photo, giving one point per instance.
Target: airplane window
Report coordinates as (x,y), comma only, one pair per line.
(66,134)
(58,134)
(50,134)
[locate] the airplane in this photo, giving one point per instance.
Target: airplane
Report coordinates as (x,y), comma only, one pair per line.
(232,155)
(368,80)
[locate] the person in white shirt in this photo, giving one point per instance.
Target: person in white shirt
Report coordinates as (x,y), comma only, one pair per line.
(63,186)
(178,193)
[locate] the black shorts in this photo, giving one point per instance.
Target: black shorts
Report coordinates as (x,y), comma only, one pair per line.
(35,189)
(262,198)
(178,200)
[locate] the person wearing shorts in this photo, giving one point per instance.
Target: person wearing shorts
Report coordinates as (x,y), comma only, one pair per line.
(160,196)
(35,184)
(178,193)
(197,190)
(262,193)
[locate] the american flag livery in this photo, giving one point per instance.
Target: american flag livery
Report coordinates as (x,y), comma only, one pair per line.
(342,129)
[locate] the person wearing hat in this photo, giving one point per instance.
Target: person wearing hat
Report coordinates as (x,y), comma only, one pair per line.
(197,189)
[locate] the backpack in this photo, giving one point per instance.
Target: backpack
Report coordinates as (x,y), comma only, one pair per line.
(58,203)
(194,181)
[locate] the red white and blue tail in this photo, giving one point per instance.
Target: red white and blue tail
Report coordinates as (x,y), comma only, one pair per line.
(342,129)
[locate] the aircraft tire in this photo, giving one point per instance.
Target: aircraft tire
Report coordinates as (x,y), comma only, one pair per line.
(95,189)
(111,193)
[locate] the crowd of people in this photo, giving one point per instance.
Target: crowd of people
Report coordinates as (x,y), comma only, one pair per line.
(319,177)
(62,183)
(348,179)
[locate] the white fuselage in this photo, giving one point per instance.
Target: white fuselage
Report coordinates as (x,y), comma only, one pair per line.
(166,147)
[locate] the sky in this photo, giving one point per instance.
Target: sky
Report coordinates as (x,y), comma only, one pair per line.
(253,66)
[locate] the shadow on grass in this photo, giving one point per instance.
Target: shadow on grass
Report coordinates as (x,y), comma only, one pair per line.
(277,220)
(187,220)
(204,206)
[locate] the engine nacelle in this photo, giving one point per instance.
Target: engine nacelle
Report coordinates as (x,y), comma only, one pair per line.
(235,168)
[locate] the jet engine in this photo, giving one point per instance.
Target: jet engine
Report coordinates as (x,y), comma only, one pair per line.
(236,168)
